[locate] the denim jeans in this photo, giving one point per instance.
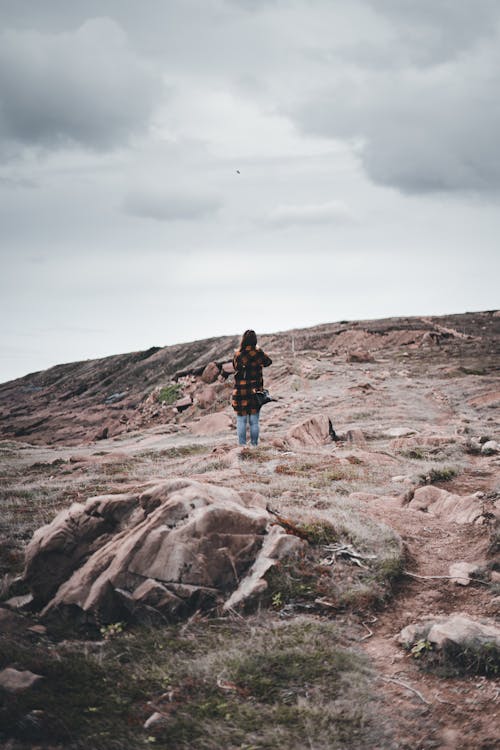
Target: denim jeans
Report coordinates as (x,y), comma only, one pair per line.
(241,426)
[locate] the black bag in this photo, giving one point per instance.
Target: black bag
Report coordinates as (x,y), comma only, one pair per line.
(262,397)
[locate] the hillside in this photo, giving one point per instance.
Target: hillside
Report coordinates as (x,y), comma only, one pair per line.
(71,403)
(336,587)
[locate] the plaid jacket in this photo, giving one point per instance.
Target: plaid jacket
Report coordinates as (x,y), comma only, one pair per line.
(248,364)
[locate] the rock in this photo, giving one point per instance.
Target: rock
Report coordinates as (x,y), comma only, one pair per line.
(456,629)
(485,399)
(15,681)
(360,356)
(211,424)
(455,508)
(399,432)
(183,403)
(167,551)
(57,549)
(317,430)
(210,373)
(276,546)
(356,437)
(227,368)
(495,576)
(103,434)
(423,441)
(461,572)
(21,602)
(206,396)
(490,448)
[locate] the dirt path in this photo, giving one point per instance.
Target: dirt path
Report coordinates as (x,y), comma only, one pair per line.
(434,712)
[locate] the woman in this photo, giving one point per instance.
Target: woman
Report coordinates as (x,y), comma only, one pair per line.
(248,362)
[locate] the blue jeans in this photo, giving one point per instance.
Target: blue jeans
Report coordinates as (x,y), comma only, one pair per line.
(241,426)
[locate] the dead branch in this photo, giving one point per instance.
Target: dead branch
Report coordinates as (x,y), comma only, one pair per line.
(408,687)
(370,632)
(288,525)
(449,578)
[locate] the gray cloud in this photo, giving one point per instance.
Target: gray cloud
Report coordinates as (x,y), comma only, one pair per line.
(85,86)
(332,212)
(165,206)
(422,128)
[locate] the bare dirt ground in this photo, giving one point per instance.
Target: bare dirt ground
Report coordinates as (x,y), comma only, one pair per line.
(412,407)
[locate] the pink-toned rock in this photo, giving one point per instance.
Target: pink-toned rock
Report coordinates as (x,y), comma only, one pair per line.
(178,546)
(211,424)
(461,572)
(485,399)
(455,508)
(356,437)
(423,441)
(15,681)
(210,373)
(317,430)
(206,396)
(183,403)
(227,368)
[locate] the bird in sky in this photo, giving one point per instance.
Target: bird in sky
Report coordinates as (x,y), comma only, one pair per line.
(238,171)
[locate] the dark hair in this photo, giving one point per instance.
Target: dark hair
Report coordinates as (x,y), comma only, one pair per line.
(249,338)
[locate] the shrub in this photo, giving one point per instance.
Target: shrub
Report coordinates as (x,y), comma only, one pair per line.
(169,393)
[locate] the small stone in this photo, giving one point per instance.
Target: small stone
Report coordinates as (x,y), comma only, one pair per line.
(461,572)
(14,681)
(490,448)
(495,576)
(38,629)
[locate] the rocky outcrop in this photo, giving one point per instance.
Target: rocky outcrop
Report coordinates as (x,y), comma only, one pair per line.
(163,553)
(317,430)
(457,629)
(455,508)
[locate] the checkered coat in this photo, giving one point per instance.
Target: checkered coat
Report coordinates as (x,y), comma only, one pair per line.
(248,364)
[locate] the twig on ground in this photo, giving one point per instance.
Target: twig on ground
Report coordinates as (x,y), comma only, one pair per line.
(449,578)
(408,687)
(370,632)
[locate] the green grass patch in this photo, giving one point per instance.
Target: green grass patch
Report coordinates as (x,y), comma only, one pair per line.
(438,474)
(169,393)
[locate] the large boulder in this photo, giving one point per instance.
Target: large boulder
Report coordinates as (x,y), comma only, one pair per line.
(210,373)
(161,553)
(316,430)
(447,505)
(458,629)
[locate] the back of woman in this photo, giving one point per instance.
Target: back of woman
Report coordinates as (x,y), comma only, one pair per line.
(248,362)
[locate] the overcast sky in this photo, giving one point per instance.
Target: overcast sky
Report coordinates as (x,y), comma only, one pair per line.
(178,169)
